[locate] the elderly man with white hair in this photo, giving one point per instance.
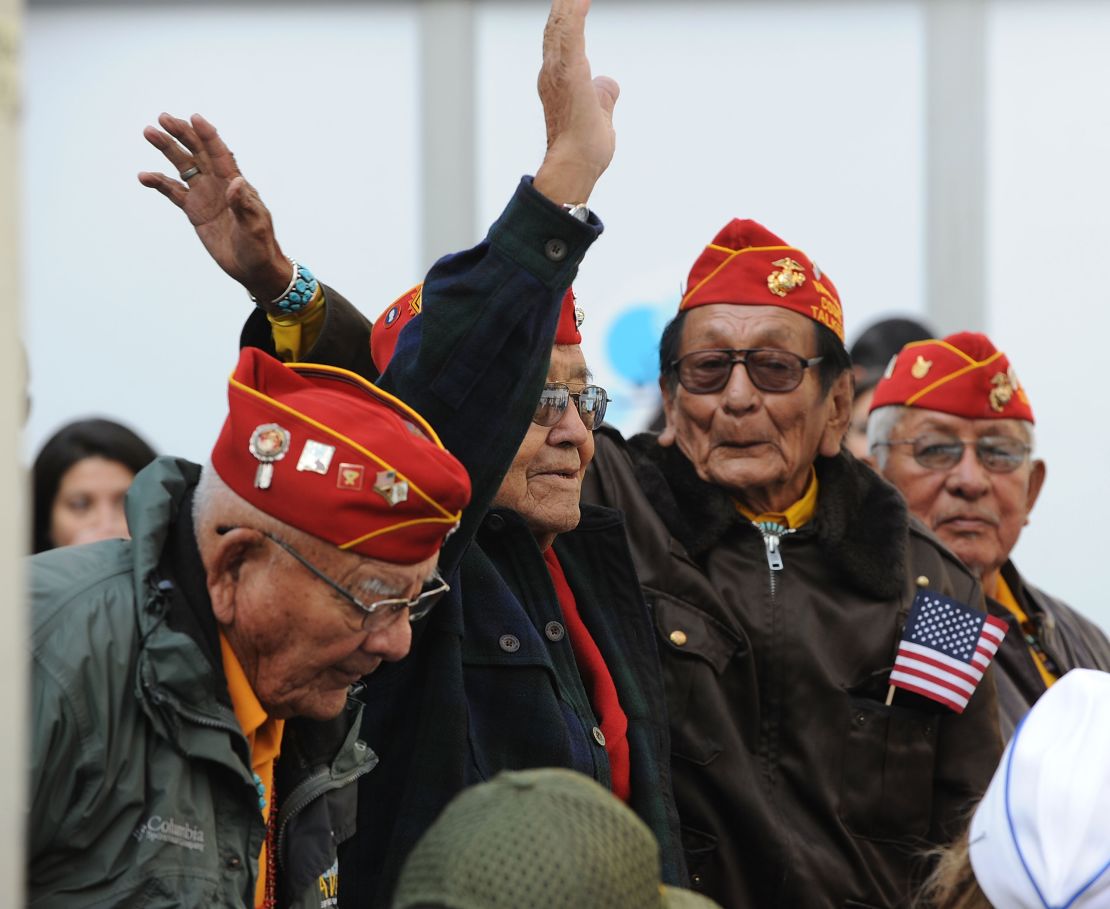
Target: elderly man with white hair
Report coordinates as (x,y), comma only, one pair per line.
(195,740)
(952,428)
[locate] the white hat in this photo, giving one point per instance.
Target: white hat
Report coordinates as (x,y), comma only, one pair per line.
(1040,839)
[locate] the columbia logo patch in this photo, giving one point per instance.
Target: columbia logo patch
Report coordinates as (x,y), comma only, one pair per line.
(168,830)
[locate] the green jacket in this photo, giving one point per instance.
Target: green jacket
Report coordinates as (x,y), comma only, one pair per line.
(141,787)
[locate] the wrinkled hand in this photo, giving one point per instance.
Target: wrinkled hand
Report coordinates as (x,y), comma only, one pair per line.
(577,108)
(229,217)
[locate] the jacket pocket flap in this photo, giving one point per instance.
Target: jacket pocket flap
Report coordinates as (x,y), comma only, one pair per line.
(684,629)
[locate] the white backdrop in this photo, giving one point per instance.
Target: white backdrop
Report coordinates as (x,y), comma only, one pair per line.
(807,116)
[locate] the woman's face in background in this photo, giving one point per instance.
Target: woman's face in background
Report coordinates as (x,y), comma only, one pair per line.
(89,503)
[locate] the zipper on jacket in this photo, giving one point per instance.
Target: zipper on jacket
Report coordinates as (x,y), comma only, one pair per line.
(314,786)
(773,533)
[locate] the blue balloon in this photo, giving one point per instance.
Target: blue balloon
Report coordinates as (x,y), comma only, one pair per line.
(633,342)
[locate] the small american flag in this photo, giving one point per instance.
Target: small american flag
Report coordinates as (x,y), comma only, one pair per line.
(946,647)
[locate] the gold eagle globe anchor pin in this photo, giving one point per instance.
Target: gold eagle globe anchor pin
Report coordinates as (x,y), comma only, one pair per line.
(1001,392)
(790,276)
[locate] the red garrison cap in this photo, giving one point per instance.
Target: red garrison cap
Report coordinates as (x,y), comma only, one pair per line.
(387,327)
(964,375)
(325,451)
(748,265)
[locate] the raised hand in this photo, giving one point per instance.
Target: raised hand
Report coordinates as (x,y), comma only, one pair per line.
(578,109)
(229,217)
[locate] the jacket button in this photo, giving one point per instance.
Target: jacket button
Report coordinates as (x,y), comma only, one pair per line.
(555,249)
(599,736)
(495,522)
(510,643)
(554,631)
(678,638)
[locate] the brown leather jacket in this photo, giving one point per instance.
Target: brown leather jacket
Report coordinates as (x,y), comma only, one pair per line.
(796,785)
(1070,641)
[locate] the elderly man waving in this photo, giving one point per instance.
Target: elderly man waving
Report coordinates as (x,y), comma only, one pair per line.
(781,572)
(952,428)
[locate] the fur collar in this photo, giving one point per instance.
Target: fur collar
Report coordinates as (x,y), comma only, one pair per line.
(862,524)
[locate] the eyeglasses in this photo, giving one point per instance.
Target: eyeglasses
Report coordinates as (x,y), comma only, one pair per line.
(591,402)
(998,454)
(380,614)
(706,371)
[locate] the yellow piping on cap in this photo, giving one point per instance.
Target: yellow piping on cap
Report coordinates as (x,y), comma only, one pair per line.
(398,526)
(374,390)
(733,253)
(971,367)
(235,383)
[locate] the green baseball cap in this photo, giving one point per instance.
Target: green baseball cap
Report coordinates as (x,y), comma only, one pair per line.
(538,838)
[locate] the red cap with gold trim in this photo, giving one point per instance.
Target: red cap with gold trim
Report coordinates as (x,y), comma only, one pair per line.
(746,264)
(963,374)
(387,327)
(325,451)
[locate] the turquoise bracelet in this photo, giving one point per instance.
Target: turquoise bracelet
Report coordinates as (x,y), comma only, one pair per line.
(302,288)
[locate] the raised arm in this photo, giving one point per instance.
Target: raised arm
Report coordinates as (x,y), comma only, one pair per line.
(474,362)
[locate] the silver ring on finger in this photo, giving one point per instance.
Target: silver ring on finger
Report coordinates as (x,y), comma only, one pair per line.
(191,172)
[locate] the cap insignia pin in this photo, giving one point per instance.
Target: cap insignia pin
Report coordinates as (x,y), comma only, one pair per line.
(350,476)
(268,443)
(790,277)
(921,367)
(1001,392)
(391,489)
(316,457)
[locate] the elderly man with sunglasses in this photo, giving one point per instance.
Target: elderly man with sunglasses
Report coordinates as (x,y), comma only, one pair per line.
(780,571)
(952,428)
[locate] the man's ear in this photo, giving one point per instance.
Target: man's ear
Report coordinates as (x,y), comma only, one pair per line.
(223,563)
(666,434)
(1036,482)
(839,414)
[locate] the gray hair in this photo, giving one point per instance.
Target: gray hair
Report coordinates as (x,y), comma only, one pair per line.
(216,504)
(883,421)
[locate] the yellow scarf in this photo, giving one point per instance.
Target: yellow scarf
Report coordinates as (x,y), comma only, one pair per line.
(796,515)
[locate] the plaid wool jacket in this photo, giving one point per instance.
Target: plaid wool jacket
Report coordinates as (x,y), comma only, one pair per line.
(488,686)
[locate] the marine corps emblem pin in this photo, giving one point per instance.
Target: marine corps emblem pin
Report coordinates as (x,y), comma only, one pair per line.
(790,276)
(1001,392)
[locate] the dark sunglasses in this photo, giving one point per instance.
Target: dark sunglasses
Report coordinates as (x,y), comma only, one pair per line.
(377,615)
(706,371)
(998,454)
(590,402)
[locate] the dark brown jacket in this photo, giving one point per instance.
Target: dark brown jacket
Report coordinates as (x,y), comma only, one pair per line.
(1069,640)
(796,785)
